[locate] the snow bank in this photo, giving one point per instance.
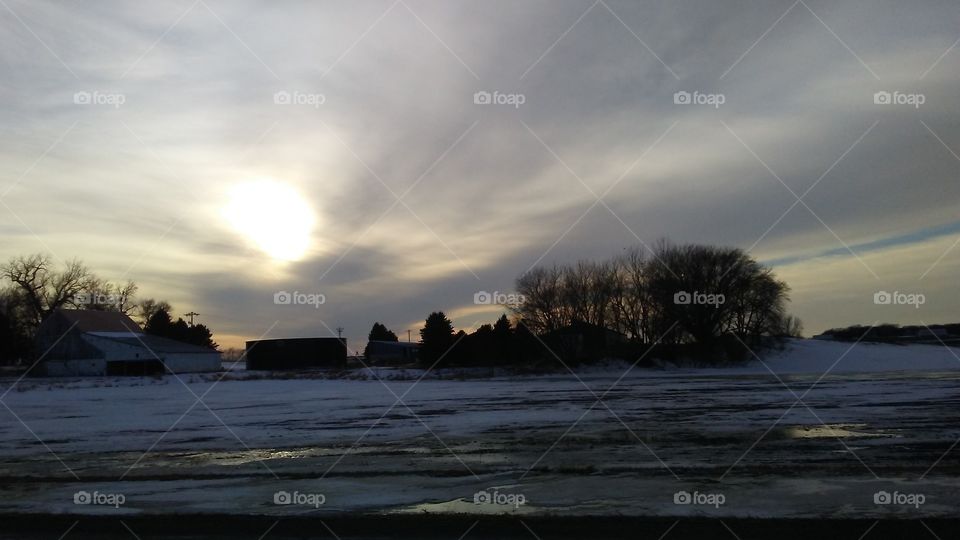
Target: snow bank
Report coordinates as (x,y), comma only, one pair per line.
(815,356)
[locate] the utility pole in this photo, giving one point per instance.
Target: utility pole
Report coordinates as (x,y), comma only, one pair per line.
(340,332)
(192,314)
(408,335)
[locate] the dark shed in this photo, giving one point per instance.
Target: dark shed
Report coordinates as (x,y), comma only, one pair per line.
(296,353)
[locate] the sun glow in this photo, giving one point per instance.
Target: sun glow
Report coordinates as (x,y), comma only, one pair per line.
(272,216)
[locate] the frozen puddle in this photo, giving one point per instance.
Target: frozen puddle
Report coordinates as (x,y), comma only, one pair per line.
(831,431)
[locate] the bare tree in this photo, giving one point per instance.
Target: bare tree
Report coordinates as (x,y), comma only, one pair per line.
(683,294)
(40,289)
(148,307)
(543,307)
(632,306)
(43,289)
(105,296)
(709,292)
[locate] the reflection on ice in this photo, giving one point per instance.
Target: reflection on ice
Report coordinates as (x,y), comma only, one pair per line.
(830,431)
(466,506)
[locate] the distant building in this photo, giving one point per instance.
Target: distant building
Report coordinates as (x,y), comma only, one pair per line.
(392,352)
(90,342)
(296,353)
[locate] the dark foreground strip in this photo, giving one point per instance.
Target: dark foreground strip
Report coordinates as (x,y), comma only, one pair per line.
(372,527)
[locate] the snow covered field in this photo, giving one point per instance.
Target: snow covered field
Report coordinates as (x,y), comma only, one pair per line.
(771,439)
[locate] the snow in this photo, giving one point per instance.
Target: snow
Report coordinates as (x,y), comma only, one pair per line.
(884,418)
(816,356)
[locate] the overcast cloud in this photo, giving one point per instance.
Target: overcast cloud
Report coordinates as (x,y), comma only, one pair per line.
(136,190)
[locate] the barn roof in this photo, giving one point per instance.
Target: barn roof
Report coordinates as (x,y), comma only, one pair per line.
(91,320)
(160,345)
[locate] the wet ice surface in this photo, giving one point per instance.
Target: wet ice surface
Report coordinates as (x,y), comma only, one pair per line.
(653,437)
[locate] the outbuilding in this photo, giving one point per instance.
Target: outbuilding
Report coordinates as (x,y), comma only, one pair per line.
(92,342)
(392,352)
(296,353)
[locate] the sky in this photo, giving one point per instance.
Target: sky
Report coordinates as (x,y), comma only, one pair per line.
(392,158)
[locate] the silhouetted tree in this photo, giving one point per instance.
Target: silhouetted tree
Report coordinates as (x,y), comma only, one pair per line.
(633,307)
(692,295)
(15,335)
(479,348)
(791,327)
(528,349)
(504,342)
(162,324)
(43,289)
(148,307)
(102,295)
(199,334)
(543,308)
(379,332)
(436,338)
(707,292)
(159,323)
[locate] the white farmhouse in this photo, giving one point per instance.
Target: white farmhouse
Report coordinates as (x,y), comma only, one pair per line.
(90,342)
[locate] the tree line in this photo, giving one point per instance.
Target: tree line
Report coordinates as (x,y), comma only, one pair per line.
(33,287)
(670,294)
(894,333)
(703,303)
(502,343)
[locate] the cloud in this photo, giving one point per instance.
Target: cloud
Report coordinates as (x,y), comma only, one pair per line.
(487,190)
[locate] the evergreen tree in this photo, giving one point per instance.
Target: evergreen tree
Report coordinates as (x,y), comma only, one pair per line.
(380,332)
(504,344)
(162,325)
(436,338)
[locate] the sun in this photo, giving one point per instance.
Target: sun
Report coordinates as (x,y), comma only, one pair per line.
(272,216)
